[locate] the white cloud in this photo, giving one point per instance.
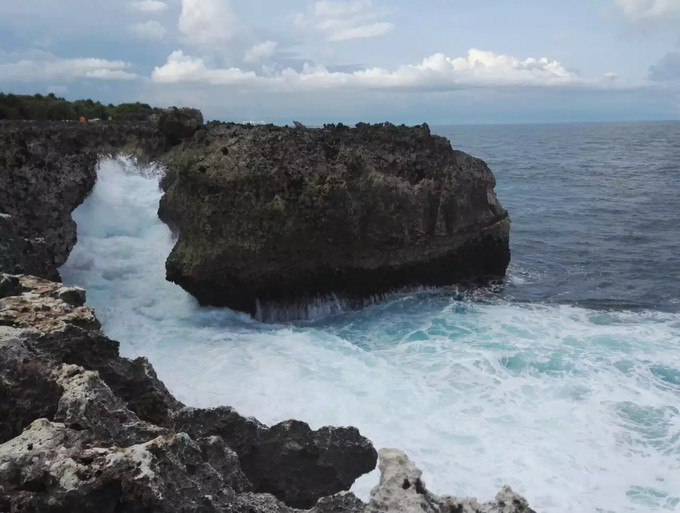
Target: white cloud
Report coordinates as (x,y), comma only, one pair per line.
(362,32)
(261,52)
(648,9)
(344,20)
(149,29)
(436,73)
(184,68)
(149,6)
(48,67)
(208,22)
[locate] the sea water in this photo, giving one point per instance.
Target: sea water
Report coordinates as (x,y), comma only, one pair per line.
(563,382)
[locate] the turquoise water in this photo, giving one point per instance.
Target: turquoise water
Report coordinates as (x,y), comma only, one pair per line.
(557,383)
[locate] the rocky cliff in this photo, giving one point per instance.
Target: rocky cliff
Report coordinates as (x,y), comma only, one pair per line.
(83,429)
(279,214)
(47,169)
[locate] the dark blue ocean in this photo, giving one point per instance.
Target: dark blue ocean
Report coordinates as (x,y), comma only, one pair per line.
(563,381)
(595,210)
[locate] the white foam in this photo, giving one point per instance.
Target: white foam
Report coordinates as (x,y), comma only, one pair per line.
(576,409)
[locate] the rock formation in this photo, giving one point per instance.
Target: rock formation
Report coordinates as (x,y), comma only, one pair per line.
(46,171)
(401,490)
(83,429)
(88,430)
(275,214)
(278,214)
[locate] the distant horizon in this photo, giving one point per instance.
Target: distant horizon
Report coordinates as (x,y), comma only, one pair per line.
(291,119)
(447,62)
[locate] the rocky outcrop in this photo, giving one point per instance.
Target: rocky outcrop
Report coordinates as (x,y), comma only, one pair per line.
(272,456)
(177,124)
(401,490)
(47,170)
(278,214)
(83,429)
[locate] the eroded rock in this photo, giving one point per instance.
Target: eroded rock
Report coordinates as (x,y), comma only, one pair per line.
(289,460)
(177,124)
(103,433)
(401,490)
(277,214)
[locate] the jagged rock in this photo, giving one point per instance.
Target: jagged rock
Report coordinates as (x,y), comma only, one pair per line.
(289,460)
(27,389)
(49,468)
(46,170)
(177,124)
(12,248)
(279,214)
(343,502)
(104,433)
(9,285)
(401,490)
(87,403)
(42,306)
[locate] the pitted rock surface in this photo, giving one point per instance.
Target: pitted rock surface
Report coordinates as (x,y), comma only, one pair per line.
(275,214)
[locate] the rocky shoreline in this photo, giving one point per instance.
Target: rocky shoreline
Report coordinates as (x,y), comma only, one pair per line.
(84,429)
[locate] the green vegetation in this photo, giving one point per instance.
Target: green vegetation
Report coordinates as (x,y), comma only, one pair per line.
(53,108)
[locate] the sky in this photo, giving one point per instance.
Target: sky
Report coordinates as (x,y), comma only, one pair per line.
(318,61)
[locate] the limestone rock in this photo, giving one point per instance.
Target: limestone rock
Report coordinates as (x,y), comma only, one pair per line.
(279,214)
(401,490)
(83,429)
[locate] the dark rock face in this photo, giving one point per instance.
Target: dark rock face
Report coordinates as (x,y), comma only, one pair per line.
(177,124)
(321,462)
(281,214)
(46,171)
(82,429)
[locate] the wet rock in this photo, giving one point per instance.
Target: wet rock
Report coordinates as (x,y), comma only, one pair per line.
(289,460)
(401,490)
(279,214)
(177,124)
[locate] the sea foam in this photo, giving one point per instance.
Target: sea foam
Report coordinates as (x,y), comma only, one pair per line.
(576,409)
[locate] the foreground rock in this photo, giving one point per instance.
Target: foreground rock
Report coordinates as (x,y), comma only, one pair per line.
(82,429)
(86,430)
(401,490)
(278,214)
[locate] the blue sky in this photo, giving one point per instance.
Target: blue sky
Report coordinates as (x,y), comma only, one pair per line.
(439,61)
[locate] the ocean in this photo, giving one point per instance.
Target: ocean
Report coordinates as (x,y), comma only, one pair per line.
(563,381)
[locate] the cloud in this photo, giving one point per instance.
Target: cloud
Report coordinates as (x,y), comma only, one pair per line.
(435,73)
(344,20)
(47,67)
(362,32)
(261,52)
(208,22)
(184,68)
(648,9)
(149,29)
(667,69)
(149,6)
